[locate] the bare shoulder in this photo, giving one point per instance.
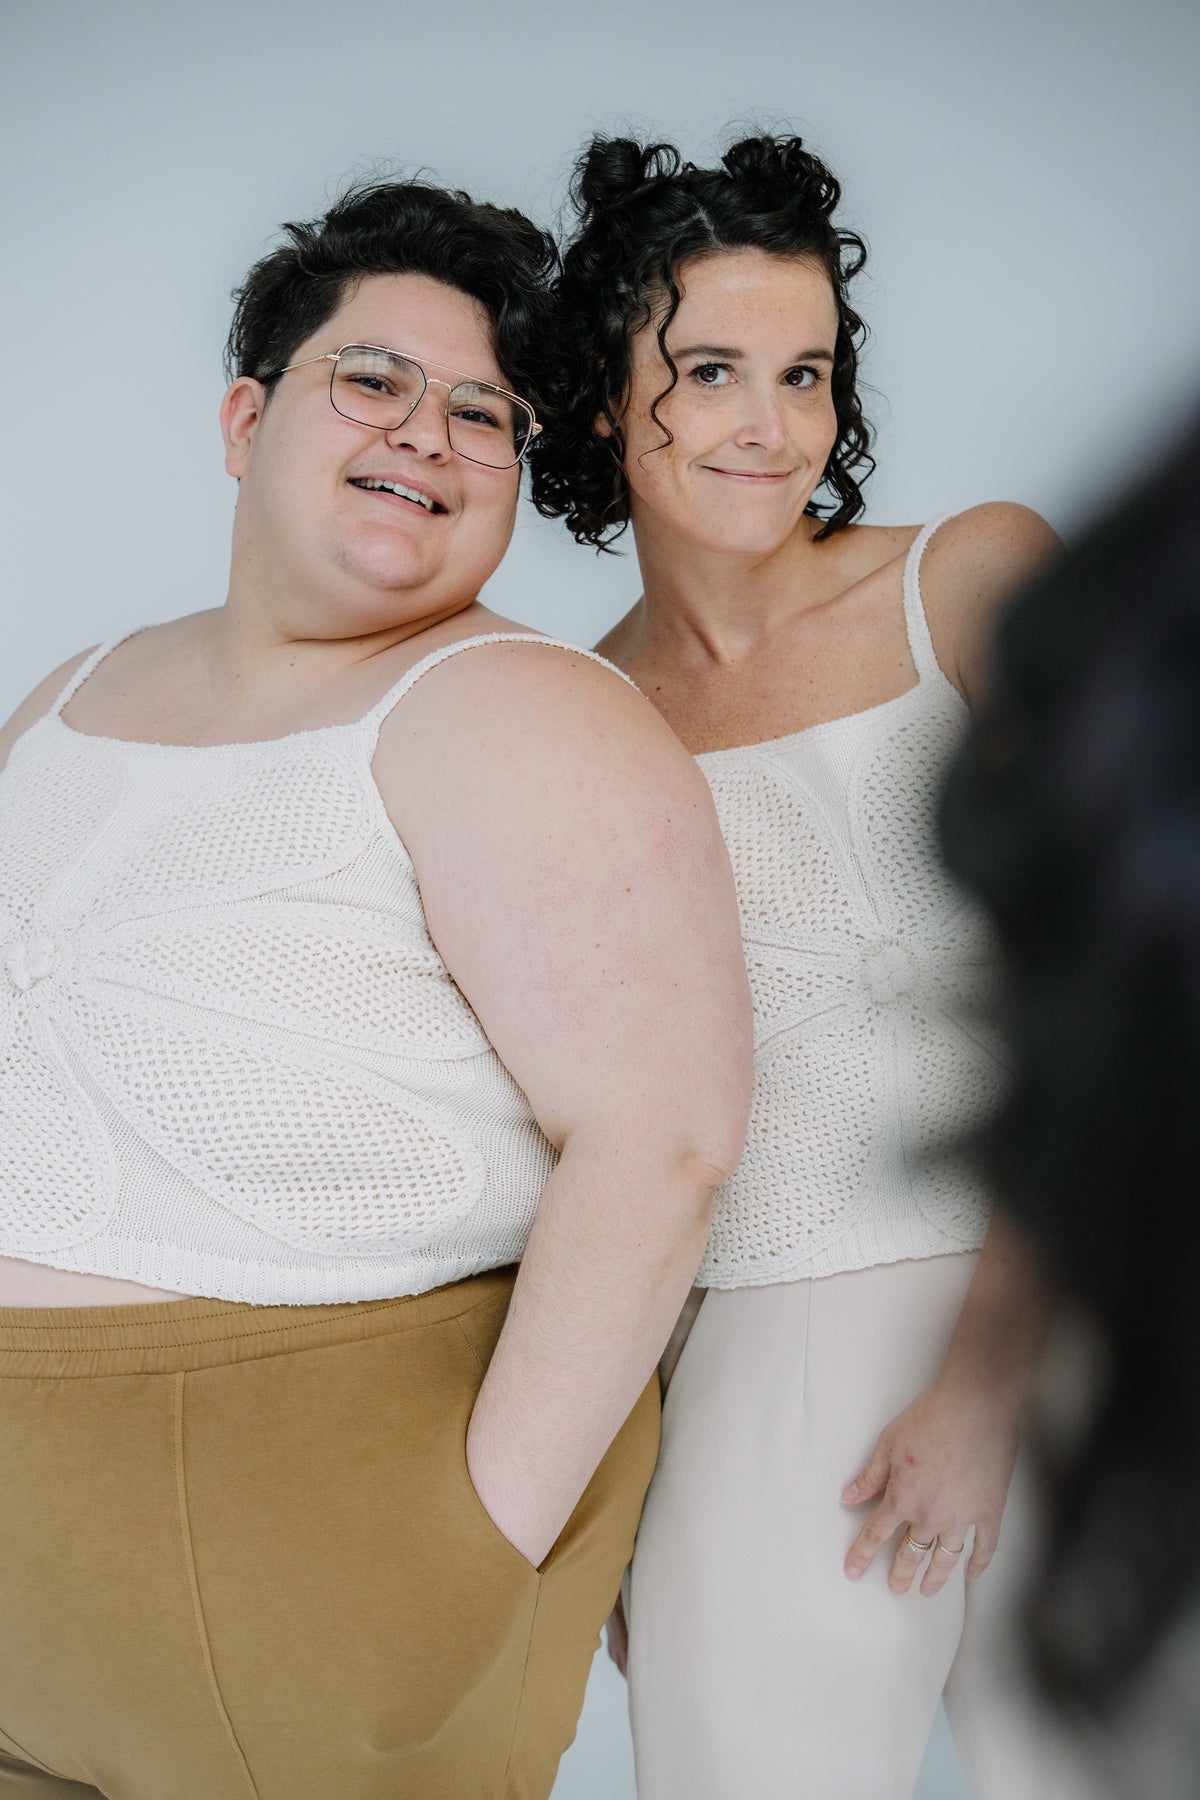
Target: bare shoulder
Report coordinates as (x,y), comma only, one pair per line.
(972,566)
(989,548)
(38,702)
(535,734)
(526,692)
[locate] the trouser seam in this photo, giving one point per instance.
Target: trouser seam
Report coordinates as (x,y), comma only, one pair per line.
(520,1700)
(35,1762)
(479,1362)
(194,1590)
(518,1708)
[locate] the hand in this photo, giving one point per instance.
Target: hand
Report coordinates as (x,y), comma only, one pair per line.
(943,1465)
(617,1635)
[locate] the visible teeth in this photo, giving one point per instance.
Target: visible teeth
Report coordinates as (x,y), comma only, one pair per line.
(393,487)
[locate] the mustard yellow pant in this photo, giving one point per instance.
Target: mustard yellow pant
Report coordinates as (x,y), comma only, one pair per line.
(241,1558)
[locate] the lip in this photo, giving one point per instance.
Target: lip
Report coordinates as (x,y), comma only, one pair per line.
(412,482)
(752,475)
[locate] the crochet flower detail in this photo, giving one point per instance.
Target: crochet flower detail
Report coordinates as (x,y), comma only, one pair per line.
(871,975)
(185,982)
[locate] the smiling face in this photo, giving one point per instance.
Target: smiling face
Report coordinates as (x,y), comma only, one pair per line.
(752,415)
(344,529)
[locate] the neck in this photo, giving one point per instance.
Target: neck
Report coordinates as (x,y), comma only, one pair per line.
(277,616)
(279,632)
(719,606)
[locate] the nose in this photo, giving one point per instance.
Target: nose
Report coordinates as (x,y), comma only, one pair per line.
(425,430)
(763,424)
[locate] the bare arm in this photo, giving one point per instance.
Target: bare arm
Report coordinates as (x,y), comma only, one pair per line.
(945,1463)
(974,566)
(575,882)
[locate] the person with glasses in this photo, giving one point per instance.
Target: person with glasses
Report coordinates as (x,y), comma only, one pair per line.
(355,944)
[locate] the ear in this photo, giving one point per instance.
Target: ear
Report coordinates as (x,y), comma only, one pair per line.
(241,413)
(601,424)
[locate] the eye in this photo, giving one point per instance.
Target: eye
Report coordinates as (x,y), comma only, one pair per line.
(713,374)
(480,407)
(478,415)
(802,377)
(371,384)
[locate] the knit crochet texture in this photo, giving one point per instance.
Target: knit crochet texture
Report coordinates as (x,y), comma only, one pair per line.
(873,980)
(232,1062)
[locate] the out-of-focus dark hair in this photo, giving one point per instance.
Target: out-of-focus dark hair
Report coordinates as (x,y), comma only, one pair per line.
(643,213)
(1074,812)
(494,254)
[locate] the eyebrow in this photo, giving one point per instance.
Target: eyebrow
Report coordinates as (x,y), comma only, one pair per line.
(727,354)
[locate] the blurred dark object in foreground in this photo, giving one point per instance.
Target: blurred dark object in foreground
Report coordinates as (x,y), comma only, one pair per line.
(1074,814)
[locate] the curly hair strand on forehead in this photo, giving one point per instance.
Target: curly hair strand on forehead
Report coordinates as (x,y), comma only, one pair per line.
(643,213)
(493,254)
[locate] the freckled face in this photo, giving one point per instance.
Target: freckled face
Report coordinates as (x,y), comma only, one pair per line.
(314,519)
(752,414)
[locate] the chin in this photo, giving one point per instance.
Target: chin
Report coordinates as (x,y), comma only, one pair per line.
(388,567)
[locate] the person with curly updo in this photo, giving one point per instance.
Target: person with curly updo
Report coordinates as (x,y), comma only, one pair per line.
(841,1424)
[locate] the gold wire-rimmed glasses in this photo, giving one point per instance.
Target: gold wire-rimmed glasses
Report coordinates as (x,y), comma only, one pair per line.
(375,386)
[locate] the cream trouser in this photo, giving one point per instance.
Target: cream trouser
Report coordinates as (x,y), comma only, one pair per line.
(757,1671)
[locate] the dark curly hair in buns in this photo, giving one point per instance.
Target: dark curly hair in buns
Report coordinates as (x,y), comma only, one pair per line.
(643,213)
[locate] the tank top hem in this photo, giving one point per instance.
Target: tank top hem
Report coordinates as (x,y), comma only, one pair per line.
(207,1277)
(868,1245)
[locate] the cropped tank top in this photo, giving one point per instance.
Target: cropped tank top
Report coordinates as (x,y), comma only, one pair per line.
(872,977)
(232,1062)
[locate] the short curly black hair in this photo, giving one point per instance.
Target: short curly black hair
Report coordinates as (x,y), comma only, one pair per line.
(644,212)
(494,254)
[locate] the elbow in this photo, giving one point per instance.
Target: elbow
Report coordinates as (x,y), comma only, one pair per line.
(712,1155)
(717,1141)
(715,1161)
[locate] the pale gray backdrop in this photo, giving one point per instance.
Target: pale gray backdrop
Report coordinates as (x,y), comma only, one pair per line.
(1025,175)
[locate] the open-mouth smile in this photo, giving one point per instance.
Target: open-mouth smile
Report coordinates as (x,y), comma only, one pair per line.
(418,497)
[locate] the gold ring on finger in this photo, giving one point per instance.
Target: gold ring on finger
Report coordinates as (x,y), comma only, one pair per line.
(910,1543)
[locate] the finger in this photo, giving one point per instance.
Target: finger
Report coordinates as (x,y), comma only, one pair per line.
(987,1532)
(870,1481)
(913,1548)
(879,1529)
(944,1560)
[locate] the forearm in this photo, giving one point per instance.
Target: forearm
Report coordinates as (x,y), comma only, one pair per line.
(612,1254)
(1002,1328)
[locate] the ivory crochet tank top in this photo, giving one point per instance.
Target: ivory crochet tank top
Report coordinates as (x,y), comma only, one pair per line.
(870,973)
(232,1062)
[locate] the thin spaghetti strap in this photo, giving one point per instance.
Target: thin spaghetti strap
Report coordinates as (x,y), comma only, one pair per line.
(88,667)
(916,624)
(379,712)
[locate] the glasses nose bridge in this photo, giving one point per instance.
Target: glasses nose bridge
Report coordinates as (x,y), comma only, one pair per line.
(427,381)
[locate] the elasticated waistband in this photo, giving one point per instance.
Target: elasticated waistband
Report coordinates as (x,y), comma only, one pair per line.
(74,1342)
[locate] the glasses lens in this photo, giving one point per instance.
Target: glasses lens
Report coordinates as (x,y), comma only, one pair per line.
(375,387)
(487,425)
